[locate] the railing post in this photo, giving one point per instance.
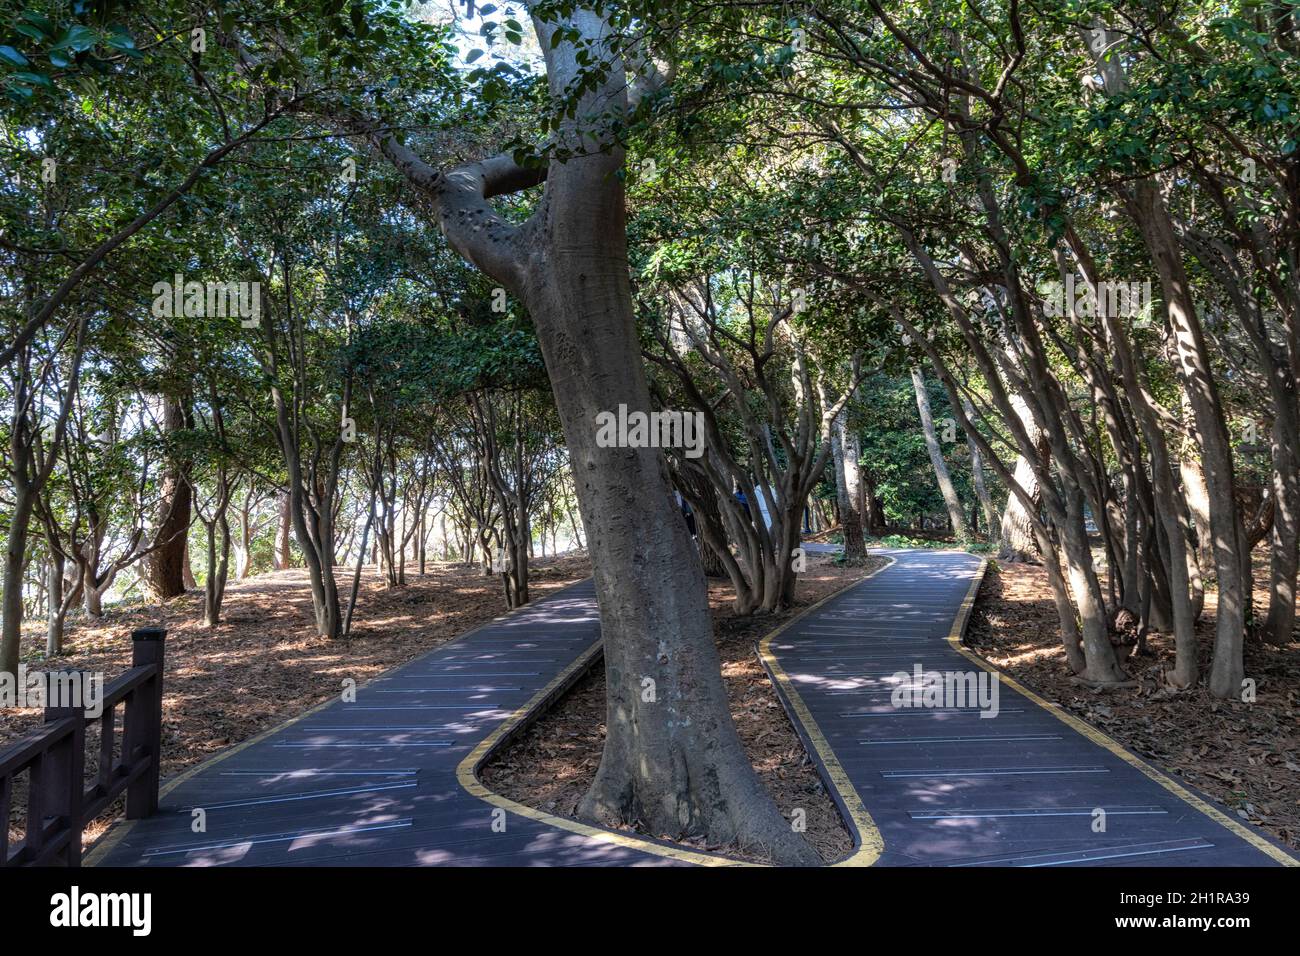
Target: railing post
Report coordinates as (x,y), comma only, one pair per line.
(144,722)
(63,778)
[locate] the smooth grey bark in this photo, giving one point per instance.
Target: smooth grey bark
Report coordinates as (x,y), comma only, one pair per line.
(1016,528)
(1227,667)
(846,450)
(941,474)
(778,464)
(214,587)
(991,518)
(1071,636)
(1042,395)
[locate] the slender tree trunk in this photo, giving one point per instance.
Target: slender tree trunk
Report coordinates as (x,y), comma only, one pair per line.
(356,573)
(932,445)
(848,489)
(15,556)
(244,549)
(1279,626)
(214,588)
(55,614)
(423,536)
(977,476)
(283,555)
(188,572)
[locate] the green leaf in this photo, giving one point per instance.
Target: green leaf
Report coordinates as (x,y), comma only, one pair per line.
(77,38)
(13,56)
(120,39)
(39,79)
(40,21)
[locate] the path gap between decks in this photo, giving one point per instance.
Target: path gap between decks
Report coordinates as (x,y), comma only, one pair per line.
(389,780)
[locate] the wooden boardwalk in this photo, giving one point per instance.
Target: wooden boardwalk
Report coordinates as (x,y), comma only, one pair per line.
(389,780)
(378,781)
(946,786)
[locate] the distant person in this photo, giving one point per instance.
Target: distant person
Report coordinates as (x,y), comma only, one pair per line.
(744,503)
(687,513)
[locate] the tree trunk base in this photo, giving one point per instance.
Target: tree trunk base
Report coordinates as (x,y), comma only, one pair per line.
(672,814)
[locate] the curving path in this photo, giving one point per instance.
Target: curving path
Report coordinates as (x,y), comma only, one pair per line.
(1031,786)
(389,780)
(378,781)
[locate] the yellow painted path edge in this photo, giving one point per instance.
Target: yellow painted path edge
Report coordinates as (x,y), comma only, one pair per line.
(122,827)
(867,836)
(467,775)
(467,772)
(1097,737)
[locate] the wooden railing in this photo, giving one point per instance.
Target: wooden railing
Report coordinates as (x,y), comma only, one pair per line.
(59,800)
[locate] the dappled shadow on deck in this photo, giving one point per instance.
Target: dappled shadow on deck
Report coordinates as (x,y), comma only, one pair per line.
(373,781)
(960,784)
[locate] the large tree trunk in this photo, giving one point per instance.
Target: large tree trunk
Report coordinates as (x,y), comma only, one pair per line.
(1017,531)
(672,757)
(163,571)
(932,445)
(94,598)
(672,760)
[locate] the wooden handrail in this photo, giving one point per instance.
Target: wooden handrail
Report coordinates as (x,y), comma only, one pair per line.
(59,803)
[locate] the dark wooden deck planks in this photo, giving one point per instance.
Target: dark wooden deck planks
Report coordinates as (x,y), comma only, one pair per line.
(373,783)
(982,793)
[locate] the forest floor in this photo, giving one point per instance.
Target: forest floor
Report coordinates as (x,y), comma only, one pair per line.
(264,663)
(551,765)
(1246,756)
